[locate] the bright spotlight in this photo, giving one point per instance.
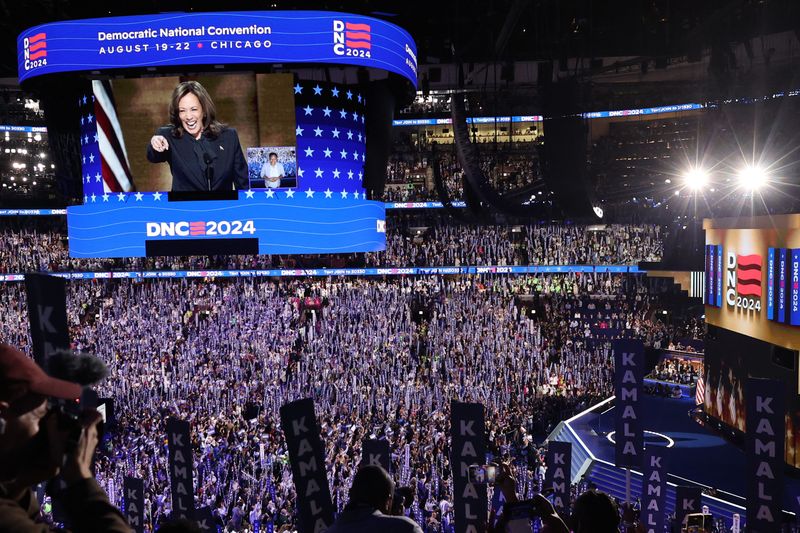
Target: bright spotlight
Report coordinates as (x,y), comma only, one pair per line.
(696,178)
(752,177)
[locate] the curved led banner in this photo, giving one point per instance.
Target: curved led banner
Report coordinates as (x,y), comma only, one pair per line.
(327,272)
(247,37)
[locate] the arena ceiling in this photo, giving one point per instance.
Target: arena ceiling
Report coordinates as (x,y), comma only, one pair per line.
(480,30)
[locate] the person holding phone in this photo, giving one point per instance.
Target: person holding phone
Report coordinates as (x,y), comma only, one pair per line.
(203,153)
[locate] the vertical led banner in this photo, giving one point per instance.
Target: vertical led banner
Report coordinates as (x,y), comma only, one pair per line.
(710,282)
(794,287)
(771,284)
(719,275)
(628,376)
(781,307)
(764,449)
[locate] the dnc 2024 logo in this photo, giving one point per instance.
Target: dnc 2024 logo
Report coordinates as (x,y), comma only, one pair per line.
(744,281)
(352,39)
(35,50)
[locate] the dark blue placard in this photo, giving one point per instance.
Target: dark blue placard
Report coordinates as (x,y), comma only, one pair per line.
(175,39)
(654,489)
(117,225)
(628,377)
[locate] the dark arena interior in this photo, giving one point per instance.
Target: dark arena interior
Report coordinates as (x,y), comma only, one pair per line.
(445,267)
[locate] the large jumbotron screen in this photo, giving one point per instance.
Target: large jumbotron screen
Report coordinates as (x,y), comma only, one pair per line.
(285,170)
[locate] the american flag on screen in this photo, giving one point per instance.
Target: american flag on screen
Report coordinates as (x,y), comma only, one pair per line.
(104,158)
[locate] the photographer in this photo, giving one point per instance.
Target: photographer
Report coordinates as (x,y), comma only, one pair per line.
(38,442)
(370,504)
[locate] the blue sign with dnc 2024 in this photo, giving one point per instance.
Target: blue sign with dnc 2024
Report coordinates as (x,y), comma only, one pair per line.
(248,37)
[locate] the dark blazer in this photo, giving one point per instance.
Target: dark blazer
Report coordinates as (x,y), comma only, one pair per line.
(186,161)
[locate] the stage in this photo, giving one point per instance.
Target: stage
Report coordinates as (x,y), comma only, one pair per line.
(697,455)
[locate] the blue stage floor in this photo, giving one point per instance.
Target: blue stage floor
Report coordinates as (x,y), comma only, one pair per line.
(697,455)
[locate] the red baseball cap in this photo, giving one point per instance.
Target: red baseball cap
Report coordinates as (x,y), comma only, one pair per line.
(16,366)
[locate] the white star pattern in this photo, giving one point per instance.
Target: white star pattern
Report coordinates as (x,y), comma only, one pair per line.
(270,193)
(84,98)
(360,175)
(349,174)
(317,132)
(298,89)
(335,132)
(317,90)
(359,137)
(359,97)
(121,197)
(139,196)
(355,195)
(349,95)
(82,120)
(298,131)
(363,157)
(309,151)
(94,197)
(355,156)
(355,116)
(335,92)
(344,154)
(310,193)
(290,193)
(327,152)
(84,160)
(249,193)
(349,135)
(90,118)
(91,157)
(157,196)
(88,178)
(85,199)
(95,137)
(308,109)
(87,139)
(328,193)
(318,173)
(336,173)
(300,172)
(343,114)
(344,193)
(105,197)
(97,178)
(327,111)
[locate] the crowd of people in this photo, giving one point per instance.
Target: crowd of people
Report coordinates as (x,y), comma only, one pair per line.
(410,241)
(226,354)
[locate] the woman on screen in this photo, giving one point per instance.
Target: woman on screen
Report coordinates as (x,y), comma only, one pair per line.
(203,154)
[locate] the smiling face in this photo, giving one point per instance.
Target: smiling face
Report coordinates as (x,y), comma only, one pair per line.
(191,115)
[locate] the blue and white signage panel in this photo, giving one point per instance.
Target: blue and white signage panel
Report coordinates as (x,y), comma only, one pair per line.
(175,39)
(308,222)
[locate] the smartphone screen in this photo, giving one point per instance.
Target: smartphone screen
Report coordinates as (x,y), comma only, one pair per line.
(482,474)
